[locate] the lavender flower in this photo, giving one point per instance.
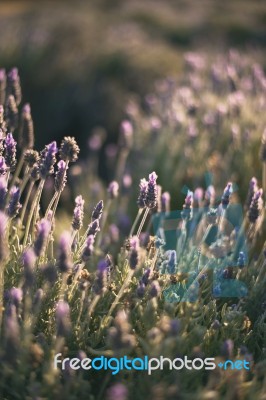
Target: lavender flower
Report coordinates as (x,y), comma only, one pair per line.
(113,189)
(15,296)
(97,211)
(14,204)
(26,129)
(146,276)
(256,206)
(3,166)
(46,166)
(60,177)
(11,334)
(28,260)
(64,258)
(78,215)
(69,149)
(253,188)
(155,289)
(10,153)
(210,196)
(88,249)
(43,231)
(241,260)
(227,348)
(141,290)
(165,199)
(151,197)
(62,317)
(13,85)
(35,172)
(3,193)
(187,212)
(134,252)
(100,282)
(31,157)
(226,195)
(143,186)
(93,227)
(11,114)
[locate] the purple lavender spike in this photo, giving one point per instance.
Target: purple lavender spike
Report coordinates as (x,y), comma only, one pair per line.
(43,231)
(14,204)
(78,214)
(10,151)
(64,259)
(62,316)
(143,187)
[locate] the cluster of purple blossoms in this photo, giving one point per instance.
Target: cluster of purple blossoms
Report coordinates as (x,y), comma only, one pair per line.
(78,214)
(43,231)
(100,282)
(64,259)
(14,205)
(60,176)
(88,249)
(134,252)
(228,191)
(97,211)
(256,206)
(26,129)
(187,212)
(62,318)
(148,195)
(10,151)
(47,161)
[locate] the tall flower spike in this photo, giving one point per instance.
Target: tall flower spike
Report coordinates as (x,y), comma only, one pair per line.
(126,134)
(88,249)
(43,231)
(60,177)
(253,187)
(97,211)
(11,114)
(3,193)
(210,196)
(143,187)
(134,252)
(26,129)
(31,157)
(93,228)
(65,263)
(256,206)
(151,197)
(10,153)
(226,195)
(100,282)
(78,214)
(165,199)
(46,166)
(13,85)
(62,317)
(69,149)
(14,204)
(28,260)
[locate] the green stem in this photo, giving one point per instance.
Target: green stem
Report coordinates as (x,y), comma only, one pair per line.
(26,202)
(143,221)
(18,169)
(103,223)
(135,222)
(33,207)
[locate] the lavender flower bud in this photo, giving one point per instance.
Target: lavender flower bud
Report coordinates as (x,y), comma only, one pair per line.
(100,282)
(11,335)
(141,290)
(26,129)
(35,172)
(14,204)
(31,157)
(126,135)
(155,289)
(114,233)
(253,188)
(48,160)
(69,149)
(2,86)
(15,296)
(28,260)
(117,392)
(165,199)
(93,228)
(62,317)
(113,189)
(3,237)
(256,206)
(10,154)
(3,166)
(88,249)
(226,195)
(134,252)
(97,211)
(64,259)
(187,212)
(143,187)
(151,197)
(11,114)
(3,193)
(60,177)
(145,277)
(13,85)
(78,215)
(43,231)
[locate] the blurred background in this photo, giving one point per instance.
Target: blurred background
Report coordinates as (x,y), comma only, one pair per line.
(80,60)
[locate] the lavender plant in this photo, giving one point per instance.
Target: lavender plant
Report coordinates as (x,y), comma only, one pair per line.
(106,287)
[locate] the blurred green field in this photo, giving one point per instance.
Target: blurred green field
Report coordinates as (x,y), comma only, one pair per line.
(79,60)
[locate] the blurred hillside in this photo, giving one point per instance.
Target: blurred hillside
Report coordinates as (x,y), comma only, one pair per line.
(79,60)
